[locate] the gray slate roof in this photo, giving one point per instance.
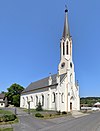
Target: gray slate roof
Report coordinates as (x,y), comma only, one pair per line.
(2,96)
(2,101)
(43,83)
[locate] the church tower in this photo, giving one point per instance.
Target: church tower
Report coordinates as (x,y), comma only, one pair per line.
(66,65)
(65,48)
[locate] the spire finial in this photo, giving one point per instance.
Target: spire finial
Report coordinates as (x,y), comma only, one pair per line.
(50,74)
(66,10)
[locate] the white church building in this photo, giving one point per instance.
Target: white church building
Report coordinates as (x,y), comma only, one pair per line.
(59,92)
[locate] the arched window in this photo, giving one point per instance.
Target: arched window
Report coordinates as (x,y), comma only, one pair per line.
(67,48)
(63,48)
(62,97)
(36,100)
(70,77)
(23,101)
(31,99)
(71,64)
(70,48)
(42,100)
(54,97)
(27,98)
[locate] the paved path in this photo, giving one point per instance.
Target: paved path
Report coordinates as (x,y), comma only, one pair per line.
(84,123)
(30,123)
(77,114)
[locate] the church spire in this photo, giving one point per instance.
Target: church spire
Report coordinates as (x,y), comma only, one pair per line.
(66,32)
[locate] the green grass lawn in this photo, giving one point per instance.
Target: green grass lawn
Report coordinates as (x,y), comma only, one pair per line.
(47,114)
(5,112)
(6,129)
(31,110)
(10,122)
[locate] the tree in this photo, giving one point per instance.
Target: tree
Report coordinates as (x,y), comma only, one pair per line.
(13,94)
(89,101)
(16,100)
(2,92)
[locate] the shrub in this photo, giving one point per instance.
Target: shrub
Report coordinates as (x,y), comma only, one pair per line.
(50,115)
(1,118)
(39,107)
(39,115)
(58,112)
(9,117)
(64,112)
(12,117)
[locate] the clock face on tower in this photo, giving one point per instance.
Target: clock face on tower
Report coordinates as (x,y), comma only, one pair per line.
(63,65)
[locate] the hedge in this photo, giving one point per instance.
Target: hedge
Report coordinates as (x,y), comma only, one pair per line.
(6,118)
(39,115)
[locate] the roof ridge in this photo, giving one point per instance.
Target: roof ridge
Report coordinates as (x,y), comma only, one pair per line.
(43,83)
(43,78)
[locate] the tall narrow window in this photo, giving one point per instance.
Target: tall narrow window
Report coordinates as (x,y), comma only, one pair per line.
(70,48)
(67,48)
(54,97)
(36,100)
(31,99)
(27,98)
(42,100)
(63,48)
(62,97)
(70,77)
(23,101)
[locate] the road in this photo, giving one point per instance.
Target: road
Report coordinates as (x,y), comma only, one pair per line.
(27,122)
(86,123)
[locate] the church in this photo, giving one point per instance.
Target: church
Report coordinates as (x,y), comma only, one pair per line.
(58,92)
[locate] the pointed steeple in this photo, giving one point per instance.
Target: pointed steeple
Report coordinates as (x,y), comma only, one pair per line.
(66,32)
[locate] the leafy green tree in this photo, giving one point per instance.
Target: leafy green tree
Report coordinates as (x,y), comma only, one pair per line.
(13,94)
(16,100)
(89,101)
(2,92)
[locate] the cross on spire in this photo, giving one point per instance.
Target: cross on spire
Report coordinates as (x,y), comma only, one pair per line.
(66,10)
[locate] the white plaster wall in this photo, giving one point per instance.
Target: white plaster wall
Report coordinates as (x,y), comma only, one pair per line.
(24,103)
(48,98)
(2,105)
(61,92)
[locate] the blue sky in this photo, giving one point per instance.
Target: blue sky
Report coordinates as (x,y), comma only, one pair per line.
(30,33)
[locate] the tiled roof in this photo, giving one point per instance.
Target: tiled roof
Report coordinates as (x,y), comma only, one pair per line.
(2,96)
(2,101)
(43,83)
